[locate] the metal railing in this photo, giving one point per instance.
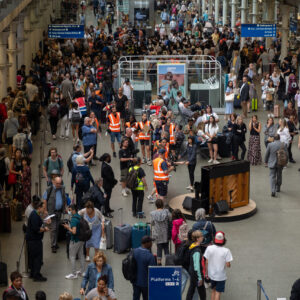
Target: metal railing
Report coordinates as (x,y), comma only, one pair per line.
(260,289)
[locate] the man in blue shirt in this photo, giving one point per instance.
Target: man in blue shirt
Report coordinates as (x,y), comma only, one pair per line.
(144,258)
(164,16)
(96,104)
(89,135)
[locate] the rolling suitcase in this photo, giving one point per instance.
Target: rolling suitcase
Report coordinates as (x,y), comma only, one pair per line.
(109,234)
(3,272)
(139,230)
(122,235)
(254,104)
(237,102)
(7,218)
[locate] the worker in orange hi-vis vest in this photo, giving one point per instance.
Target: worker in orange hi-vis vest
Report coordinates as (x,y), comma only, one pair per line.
(145,130)
(169,128)
(161,172)
(114,128)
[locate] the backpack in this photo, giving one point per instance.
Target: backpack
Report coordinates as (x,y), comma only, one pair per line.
(80,180)
(129,267)
(182,256)
(207,238)
(282,158)
(27,147)
(99,74)
(53,112)
(132,178)
(85,232)
(70,163)
(75,117)
(34,108)
(183,231)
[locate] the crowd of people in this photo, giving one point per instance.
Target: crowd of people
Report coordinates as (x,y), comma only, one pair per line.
(75,84)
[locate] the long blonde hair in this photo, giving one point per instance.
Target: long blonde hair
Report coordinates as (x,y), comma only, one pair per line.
(65,296)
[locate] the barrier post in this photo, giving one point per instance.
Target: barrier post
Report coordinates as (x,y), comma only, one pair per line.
(258,290)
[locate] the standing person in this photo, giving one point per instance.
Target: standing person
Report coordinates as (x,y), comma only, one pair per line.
(34,238)
(81,177)
(218,258)
(283,132)
(64,119)
(26,181)
(53,109)
(75,117)
(178,220)
(139,191)
(34,114)
(145,128)
(254,150)
(109,181)
(95,104)
(55,201)
(229,103)
(101,291)
(144,258)
(4,170)
(67,87)
(128,91)
(53,162)
(94,218)
(76,246)
(89,136)
(195,268)
(275,168)
(114,128)
(160,220)
(211,130)
(244,95)
(126,160)
(292,131)
(239,131)
(10,129)
(191,151)
(16,285)
(270,130)
(121,105)
(161,174)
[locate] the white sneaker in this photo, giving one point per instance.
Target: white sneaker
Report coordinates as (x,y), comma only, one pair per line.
(149,163)
(79,273)
(189,187)
(124,194)
(54,137)
(87,258)
(151,199)
(71,276)
(215,162)
(211,160)
(62,137)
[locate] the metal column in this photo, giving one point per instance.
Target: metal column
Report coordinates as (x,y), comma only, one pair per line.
(3,64)
(216,12)
(285,12)
(12,55)
(225,12)
(233,13)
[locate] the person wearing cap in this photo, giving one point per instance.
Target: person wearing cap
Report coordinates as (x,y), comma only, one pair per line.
(144,258)
(127,91)
(217,259)
(161,174)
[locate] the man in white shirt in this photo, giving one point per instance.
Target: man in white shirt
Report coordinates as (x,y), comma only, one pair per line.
(217,259)
(127,91)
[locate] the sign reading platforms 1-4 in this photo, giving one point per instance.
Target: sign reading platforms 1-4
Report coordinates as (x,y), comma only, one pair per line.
(258,30)
(65,31)
(164,283)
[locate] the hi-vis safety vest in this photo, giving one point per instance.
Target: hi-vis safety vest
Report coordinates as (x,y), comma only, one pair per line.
(140,186)
(133,126)
(114,122)
(81,105)
(159,173)
(142,135)
(172,133)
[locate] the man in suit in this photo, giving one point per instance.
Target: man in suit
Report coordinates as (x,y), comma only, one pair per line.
(271,160)
(244,95)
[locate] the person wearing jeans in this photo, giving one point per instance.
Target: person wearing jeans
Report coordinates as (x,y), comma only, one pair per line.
(76,246)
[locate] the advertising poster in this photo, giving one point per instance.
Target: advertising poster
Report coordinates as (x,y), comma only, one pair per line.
(171,78)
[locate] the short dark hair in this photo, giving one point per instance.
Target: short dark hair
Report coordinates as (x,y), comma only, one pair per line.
(103,278)
(89,204)
(73,207)
(15,275)
(40,295)
(159,203)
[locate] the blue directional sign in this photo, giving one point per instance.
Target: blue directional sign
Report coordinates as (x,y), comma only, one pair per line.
(164,283)
(65,31)
(258,30)
(293,25)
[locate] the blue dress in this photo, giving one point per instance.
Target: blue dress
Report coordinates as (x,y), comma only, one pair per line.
(95,223)
(228,105)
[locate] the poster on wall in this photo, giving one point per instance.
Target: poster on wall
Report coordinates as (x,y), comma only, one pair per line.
(171,78)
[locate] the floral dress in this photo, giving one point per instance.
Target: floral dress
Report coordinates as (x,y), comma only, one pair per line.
(26,184)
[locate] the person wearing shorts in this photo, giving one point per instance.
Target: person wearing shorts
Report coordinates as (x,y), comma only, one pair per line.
(114,128)
(217,259)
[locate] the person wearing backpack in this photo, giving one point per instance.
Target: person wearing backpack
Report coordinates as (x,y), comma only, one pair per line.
(276,158)
(71,163)
(178,222)
(206,227)
(81,177)
(139,190)
(76,246)
(75,117)
(34,114)
(52,162)
(53,110)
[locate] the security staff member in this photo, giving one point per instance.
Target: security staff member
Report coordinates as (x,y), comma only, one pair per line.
(138,192)
(34,236)
(161,174)
(114,128)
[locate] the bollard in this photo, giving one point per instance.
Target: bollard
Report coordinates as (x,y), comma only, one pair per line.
(258,290)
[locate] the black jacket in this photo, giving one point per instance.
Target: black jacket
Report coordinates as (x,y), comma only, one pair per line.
(108,176)
(239,131)
(244,92)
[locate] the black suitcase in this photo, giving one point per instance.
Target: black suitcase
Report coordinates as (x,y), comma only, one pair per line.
(237,102)
(224,149)
(7,218)
(187,203)
(221,207)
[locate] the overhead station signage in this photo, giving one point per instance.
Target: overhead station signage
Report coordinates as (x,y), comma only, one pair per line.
(258,30)
(65,31)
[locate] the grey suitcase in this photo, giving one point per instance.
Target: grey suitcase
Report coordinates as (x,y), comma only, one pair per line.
(109,234)
(122,235)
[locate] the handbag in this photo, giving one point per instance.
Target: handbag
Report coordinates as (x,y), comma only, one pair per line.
(12,178)
(229,98)
(102,245)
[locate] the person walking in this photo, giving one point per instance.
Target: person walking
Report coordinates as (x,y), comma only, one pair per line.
(139,191)
(144,258)
(34,239)
(89,136)
(109,182)
(272,162)
(195,268)
(114,128)
(55,201)
(76,246)
(160,222)
(218,258)
(75,117)
(53,113)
